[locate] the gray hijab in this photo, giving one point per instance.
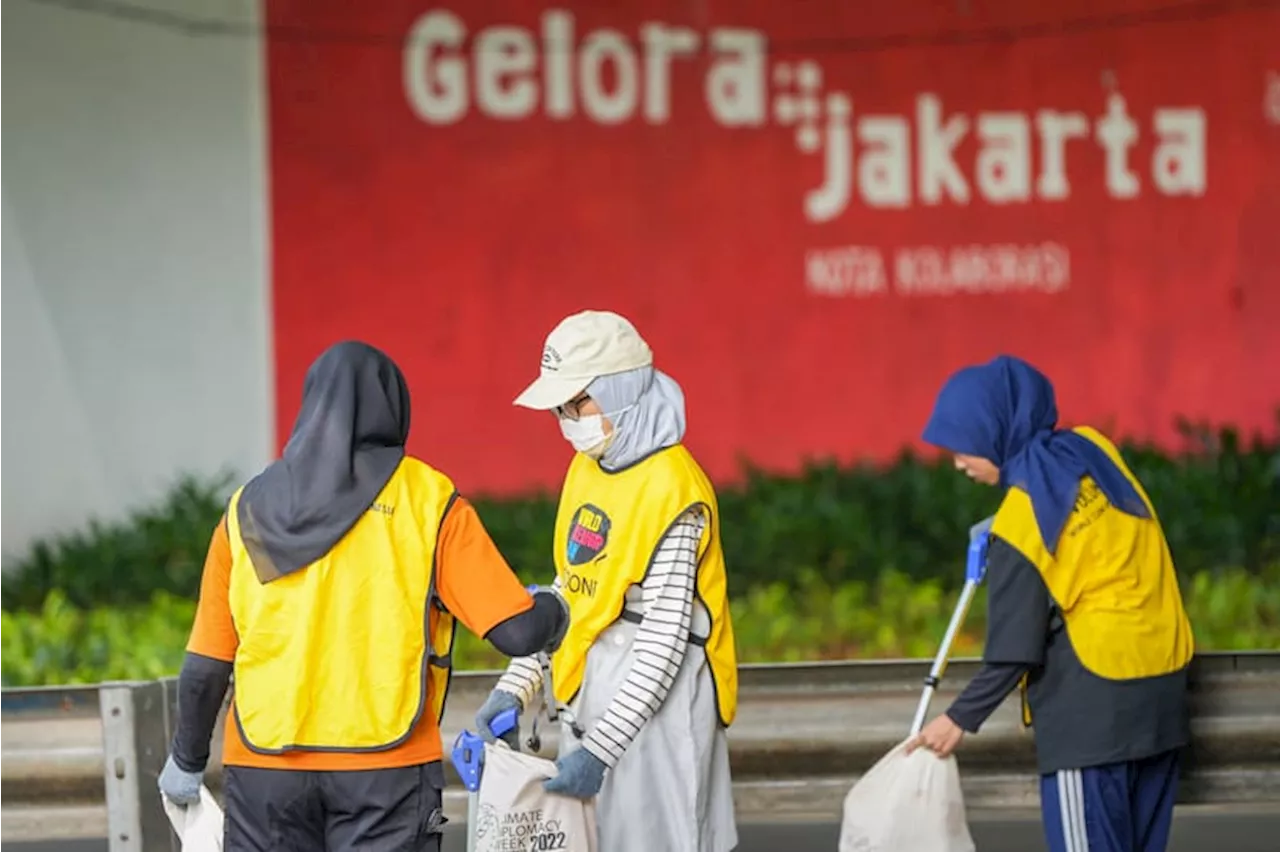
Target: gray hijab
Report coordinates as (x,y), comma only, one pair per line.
(646,408)
(346,443)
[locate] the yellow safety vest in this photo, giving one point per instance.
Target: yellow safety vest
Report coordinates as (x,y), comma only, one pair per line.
(608,528)
(1112,580)
(346,654)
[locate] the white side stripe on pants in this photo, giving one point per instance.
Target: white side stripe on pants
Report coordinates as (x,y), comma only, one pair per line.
(1075,837)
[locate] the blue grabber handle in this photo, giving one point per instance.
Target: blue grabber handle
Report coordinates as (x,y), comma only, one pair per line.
(975,569)
(468,749)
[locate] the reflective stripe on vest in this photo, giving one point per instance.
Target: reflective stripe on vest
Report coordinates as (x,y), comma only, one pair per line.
(608,529)
(348,653)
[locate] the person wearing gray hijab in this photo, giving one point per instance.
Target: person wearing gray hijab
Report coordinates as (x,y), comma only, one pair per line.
(645,681)
(323,593)
(647,414)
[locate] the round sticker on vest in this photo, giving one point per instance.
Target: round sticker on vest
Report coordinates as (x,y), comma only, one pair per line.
(588,534)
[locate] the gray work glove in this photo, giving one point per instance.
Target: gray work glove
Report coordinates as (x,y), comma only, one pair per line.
(178,785)
(498,701)
(579,774)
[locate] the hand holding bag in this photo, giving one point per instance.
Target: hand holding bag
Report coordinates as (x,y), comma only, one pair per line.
(198,825)
(907,803)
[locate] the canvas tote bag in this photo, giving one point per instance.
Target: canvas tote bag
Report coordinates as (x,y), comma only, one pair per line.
(515,814)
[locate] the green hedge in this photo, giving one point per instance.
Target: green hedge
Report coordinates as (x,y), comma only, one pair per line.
(808,619)
(1219,501)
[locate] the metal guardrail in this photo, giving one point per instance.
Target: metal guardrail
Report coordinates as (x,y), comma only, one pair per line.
(804,733)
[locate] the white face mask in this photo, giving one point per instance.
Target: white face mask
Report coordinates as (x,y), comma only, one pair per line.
(586,434)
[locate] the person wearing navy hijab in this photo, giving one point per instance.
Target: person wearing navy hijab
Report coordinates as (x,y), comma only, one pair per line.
(1084,613)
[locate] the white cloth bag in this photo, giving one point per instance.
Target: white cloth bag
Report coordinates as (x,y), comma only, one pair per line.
(515,814)
(198,825)
(907,803)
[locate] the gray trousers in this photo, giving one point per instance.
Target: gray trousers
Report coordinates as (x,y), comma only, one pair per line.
(278,810)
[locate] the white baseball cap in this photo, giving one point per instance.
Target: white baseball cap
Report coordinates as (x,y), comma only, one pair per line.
(579,350)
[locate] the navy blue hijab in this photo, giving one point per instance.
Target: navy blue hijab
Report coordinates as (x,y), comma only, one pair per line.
(1004,411)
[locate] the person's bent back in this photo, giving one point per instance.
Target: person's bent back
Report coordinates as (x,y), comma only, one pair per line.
(332,590)
(1113,686)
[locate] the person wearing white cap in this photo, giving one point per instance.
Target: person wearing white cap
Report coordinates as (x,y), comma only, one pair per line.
(648,667)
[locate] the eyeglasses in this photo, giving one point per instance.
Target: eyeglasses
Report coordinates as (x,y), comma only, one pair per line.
(572,409)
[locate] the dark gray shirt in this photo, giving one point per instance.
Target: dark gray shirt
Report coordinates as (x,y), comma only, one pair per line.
(1018,609)
(1080,719)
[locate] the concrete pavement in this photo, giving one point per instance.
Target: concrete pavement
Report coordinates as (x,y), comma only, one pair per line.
(1195,830)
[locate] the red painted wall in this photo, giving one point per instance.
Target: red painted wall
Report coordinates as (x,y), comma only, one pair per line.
(813,211)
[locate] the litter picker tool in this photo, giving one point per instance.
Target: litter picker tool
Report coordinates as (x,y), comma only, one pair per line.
(549,704)
(468,748)
(468,759)
(553,708)
(908,801)
(974,573)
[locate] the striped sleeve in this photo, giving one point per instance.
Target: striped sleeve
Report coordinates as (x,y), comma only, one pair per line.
(523,679)
(660,643)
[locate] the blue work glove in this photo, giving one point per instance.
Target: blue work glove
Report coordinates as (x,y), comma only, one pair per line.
(499,701)
(178,785)
(579,775)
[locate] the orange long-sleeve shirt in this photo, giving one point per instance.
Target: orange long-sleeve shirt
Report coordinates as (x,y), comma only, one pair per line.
(474,582)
